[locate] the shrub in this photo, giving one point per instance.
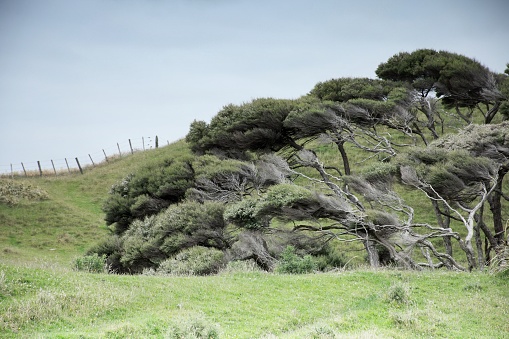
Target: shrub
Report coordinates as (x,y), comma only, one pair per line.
(193,261)
(241,266)
(194,328)
(399,294)
(111,248)
(330,260)
(11,193)
(90,263)
(292,263)
(500,263)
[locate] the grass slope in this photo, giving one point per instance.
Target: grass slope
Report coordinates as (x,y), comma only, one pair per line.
(41,297)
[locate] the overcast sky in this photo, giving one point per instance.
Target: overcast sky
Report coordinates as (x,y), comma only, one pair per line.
(78,76)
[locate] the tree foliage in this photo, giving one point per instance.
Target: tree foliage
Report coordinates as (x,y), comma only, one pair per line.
(257,185)
(459,81)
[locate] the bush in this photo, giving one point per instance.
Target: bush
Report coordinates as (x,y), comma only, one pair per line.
(193,261)
(11,192)
(330,260)
(194,328)
(91,263)
(111,248)
(291,263)
(500,263)
(399,294)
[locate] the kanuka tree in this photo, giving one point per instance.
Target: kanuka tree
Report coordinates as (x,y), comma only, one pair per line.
(489,142)
(458,81)
(336,207)
(257,162)
(175,204)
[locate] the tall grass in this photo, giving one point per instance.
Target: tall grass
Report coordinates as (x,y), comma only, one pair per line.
(40,303)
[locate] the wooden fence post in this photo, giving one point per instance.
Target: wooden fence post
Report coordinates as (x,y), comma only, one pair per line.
(52,164)
(157,142)
(24,170)
(143,142)
(68,169)
(79,166)
(12,173)
(40,170)
(105,157)
(119,153)
(93,164)
(130,145)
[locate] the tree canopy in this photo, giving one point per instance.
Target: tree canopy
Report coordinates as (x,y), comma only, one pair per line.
(264,176)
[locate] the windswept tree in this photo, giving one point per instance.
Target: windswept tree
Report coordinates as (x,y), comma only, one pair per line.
(458,81)
(461,173)
(490,142)
(258,178)
(339,212)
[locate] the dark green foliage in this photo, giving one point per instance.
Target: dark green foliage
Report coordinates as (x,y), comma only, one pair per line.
(420,68)
(453,174)
(245,214)
(149,242)
(111,249)
(257,125)
(257,166)
(459,81)
(312,117)
(292,263)
(287,202)
(345,89)
(148,191)
(331,259)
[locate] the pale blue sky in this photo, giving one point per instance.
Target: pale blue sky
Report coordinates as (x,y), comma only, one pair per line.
(79,76)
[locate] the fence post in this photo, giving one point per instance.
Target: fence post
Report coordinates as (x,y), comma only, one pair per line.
(24,170)
(131,146)
(12,173)
(93,164)
(68,169)
(40,170)
(79,166)
(143,142)
(157,142)
(119,153)
(52,164)
(105,157)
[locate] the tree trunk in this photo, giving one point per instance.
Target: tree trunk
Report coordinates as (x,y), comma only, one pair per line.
(429,112)
(478,241)
(495,201)
(373,256)
(443,224)
(344,156)
(490,114)
(418,131)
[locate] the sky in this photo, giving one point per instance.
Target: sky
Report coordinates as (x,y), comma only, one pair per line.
(77,77)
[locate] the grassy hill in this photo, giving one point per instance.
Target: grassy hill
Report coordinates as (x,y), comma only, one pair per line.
(42,297)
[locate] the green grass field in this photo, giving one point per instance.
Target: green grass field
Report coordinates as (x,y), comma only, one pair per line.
(41,296)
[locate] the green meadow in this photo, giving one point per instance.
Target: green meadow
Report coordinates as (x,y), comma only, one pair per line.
(42,296)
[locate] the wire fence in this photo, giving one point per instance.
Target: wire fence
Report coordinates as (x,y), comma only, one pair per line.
(80,163)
